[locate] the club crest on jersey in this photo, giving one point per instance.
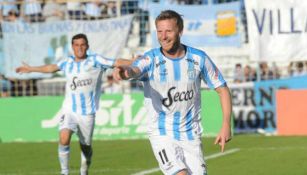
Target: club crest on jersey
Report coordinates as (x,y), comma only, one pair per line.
(160,63)
(163,72)
(191,74)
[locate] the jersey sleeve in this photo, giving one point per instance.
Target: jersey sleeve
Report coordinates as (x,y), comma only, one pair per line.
(144,63)
(103,61)
(62,64)
(211,74)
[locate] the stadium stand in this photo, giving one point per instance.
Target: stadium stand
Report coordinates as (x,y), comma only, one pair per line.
(139,39)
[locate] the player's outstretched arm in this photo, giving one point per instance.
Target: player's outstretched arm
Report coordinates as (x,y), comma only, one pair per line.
(225,133)
(25,68)
(126,72)
(122,62)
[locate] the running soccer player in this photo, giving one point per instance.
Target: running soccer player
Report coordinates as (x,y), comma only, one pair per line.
(172,77)
(83,81)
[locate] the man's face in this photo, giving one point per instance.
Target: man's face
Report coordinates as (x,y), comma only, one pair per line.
(168,34)
(79,47)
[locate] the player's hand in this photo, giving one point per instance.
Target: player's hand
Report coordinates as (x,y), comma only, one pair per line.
(120,73)
(224,136)
(23,69)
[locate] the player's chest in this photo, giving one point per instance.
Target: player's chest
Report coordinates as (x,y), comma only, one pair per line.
(86,68)
(82,72)
(183,70)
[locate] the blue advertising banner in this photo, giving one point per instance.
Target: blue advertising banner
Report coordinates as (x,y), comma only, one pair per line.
(215,25)
(254,104)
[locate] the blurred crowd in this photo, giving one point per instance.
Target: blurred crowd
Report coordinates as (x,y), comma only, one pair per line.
(52,10)
(55,10)
(266,72)
(34,11)
(14,87)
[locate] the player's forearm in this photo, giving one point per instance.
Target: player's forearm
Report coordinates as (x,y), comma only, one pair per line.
(122,62)
(44,69)
(226,104)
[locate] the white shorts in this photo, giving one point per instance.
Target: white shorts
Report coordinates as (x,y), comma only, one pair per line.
(174,156)
(82,125)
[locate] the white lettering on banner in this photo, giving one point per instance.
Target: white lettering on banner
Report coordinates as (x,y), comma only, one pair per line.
(140,120)
(109,115)
(103,116)
(53,122)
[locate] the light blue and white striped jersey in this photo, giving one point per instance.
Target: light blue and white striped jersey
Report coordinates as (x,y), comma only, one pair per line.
(172,91)
(83,83)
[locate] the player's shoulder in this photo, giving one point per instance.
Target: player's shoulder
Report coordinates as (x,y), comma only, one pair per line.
(196,52)
(96,56)
(67,59)
(92,56)
(153,52)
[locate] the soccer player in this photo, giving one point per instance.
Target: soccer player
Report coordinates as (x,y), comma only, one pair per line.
(83,81)
(172,77)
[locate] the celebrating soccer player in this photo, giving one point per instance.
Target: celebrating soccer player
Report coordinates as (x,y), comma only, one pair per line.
(83,74)
(172,77)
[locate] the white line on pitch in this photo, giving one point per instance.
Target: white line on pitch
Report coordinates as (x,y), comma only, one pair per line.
(212,156)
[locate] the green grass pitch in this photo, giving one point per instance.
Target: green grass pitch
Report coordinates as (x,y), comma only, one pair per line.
(253,155)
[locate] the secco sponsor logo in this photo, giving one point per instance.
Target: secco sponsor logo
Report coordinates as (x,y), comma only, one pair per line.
(177,96)
(80,83)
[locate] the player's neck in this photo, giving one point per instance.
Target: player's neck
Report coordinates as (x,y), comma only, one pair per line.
(176,52)
(79,59)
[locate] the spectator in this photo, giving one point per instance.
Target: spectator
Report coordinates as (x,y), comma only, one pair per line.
(93,10)
(144,24)
(5,86)
(53,11)
(249,74)
(238,74)
(75,10)
(111,10)
(265,72)
(290,69)
(299,69)
(255,75)
(12,16)
(129,7)
(275,71)
(32,11)
(6,6)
